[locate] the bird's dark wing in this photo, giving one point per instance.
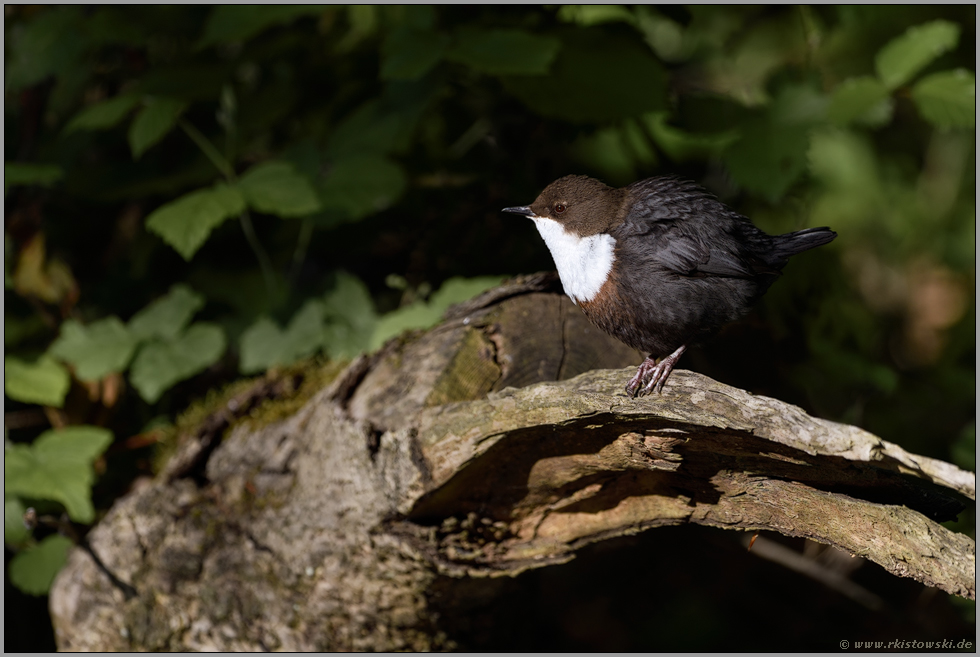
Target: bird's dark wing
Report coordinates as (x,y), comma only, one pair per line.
(690,256)
(691,240)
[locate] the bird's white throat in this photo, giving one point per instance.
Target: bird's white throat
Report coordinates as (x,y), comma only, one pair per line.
(583,263)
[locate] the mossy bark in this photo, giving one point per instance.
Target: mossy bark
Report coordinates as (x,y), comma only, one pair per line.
(485,447)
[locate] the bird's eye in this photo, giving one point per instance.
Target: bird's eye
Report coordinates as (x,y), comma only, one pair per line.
(559,208)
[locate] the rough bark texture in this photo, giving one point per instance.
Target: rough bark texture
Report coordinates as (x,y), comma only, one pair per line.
(485,447)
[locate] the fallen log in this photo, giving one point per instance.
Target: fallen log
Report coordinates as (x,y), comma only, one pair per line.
(337,516)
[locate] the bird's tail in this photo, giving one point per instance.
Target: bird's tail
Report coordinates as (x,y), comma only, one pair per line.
(790,244)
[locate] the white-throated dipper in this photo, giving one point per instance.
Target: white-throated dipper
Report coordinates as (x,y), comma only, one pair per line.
(658,264)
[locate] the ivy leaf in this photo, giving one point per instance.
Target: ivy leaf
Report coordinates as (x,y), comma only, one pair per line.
(947,99)
(904,56)
(168,315)
(19,173)
(160,364)
(505,52)
(57,466)
(95,350)
(864,99)
(153,122)
(43,382)
(186,223)
(264,345)
(33,570)
(277,188)
(103,115)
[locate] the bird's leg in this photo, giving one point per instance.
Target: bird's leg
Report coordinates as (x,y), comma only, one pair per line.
(643,374)
(651,375)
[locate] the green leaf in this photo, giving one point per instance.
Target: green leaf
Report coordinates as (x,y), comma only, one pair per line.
(103,115)
(95,350)
(863,100)
(264,345)
(408,54)
(47,44)
(33,570)
(904,56)
(153,122)
(362,185)
(350,316)
(277,188)
(588,15)
(160,364)
(57,466)
(19,173)
(947,99)
(595,77)
(382,125)
(504,52)
(14,531)
(350,300)
(115,25)
(459,289)
(680,145)
(304,335)
(168,315)
(231,23)
(769,157)
(844,160)
(421,314)
(418,315)
(260,346)
(44,382)
(17,329)
(616,151)
(964,450)
(186,223)
(9,250)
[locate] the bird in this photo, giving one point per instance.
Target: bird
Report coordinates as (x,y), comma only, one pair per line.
(659,264)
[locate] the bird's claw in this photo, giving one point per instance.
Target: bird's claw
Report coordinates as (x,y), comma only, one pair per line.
(651,376)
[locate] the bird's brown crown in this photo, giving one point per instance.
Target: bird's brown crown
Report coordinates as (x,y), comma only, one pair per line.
(582,205)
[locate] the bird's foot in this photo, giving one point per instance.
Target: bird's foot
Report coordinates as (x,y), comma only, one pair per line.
(651,375)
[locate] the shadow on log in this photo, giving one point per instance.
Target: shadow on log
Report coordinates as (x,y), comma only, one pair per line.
(426,476)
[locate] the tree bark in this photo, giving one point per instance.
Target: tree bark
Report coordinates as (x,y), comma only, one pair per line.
(482,448)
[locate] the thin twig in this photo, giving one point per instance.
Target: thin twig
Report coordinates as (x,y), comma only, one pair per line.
(212,153)
(302,244)
(265,264)
(245,219)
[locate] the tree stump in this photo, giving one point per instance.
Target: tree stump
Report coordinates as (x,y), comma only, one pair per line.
(485,447)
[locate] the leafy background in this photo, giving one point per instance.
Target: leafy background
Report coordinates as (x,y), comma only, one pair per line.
(194,194)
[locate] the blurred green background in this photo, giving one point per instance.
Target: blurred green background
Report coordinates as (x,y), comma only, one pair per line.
(194,194)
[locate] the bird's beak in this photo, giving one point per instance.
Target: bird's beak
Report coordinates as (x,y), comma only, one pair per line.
(523,209)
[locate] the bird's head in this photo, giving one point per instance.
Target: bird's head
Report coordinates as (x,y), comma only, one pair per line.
(581,205)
